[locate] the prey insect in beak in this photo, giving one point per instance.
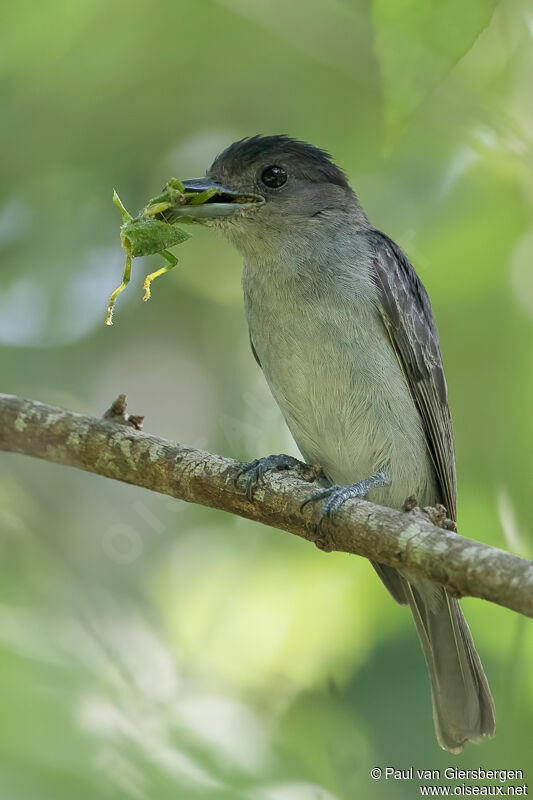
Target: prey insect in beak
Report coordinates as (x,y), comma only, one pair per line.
(222,202)
(157,227)
(145,235)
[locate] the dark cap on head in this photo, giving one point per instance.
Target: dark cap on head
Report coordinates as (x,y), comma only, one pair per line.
(302,159)
(266,188)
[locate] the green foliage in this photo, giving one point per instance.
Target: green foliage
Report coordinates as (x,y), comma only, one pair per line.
(419,43)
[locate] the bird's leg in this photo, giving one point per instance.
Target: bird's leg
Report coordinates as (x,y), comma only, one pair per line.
(336,495)
(254,470)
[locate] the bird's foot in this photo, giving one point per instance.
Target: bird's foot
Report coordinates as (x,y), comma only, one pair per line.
(336,495)
(254,470)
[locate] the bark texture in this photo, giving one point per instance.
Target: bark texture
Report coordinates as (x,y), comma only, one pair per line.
(115,447)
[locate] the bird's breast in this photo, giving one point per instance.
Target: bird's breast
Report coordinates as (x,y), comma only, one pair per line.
(334,374)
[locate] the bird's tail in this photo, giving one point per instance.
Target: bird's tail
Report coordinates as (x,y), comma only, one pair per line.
(463,708)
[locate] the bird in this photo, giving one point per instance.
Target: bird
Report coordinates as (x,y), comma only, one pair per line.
(342,328)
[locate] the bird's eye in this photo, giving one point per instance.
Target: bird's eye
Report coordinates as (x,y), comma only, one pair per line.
(274,177)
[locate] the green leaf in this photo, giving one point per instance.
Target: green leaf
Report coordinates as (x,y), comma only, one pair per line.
(418,42)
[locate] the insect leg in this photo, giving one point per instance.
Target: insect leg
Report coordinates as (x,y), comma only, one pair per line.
(126,216)
(172,261)
(125,280)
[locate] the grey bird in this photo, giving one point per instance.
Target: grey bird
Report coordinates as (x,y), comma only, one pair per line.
(342,328)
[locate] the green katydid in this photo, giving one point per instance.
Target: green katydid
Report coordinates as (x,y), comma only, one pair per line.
(145,235)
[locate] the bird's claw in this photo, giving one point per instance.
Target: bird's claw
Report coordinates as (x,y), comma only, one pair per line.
(336,495)
(254,470)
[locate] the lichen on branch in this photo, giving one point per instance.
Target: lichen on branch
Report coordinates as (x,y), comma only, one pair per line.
(114,446)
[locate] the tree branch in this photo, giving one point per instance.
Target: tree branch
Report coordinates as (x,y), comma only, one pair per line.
(399,539)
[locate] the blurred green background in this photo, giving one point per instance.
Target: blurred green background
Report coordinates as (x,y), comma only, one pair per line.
(150,649)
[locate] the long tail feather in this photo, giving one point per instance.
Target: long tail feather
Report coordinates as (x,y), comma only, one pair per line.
(463,708)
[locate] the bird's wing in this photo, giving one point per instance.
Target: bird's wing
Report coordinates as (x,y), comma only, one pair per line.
(407,315)
(254,352)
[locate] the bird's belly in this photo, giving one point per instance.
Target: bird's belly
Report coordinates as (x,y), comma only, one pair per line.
(347,405)
(325,413)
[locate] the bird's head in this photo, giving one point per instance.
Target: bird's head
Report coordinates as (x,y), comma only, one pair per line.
(271,187)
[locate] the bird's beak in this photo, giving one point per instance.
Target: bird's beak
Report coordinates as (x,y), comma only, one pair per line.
(224,202)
